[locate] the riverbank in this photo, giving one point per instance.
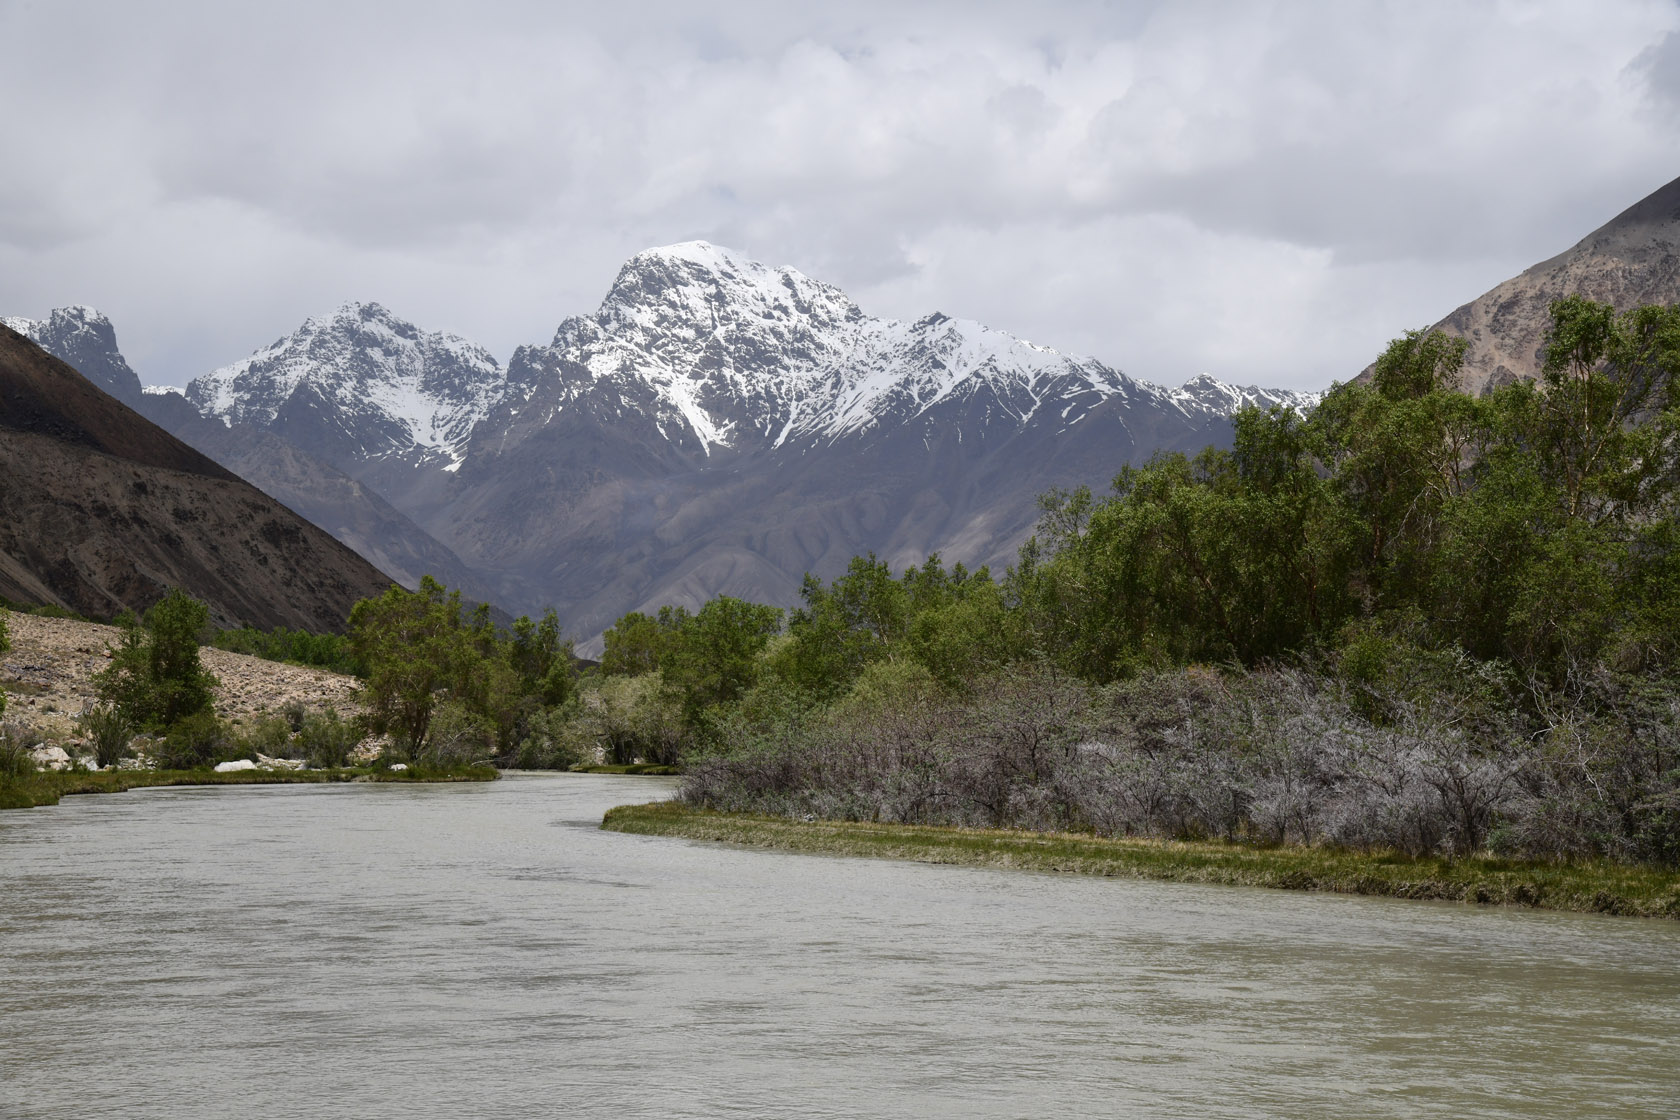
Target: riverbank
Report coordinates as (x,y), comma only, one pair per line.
(650,769)
(1582,888)
(46,788)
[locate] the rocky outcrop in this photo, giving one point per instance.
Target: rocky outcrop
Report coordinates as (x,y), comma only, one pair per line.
(1634,259)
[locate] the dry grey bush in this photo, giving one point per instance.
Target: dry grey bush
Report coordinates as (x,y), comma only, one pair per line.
(1270,756)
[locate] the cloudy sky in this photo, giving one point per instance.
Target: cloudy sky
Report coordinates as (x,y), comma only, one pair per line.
(1266,192)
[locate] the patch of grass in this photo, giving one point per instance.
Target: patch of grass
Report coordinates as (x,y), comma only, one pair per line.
(1597,887)
(657,768)
(46,788)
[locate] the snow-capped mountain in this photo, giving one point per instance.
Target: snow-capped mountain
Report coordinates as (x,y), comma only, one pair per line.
(360,384)
(714,426)
(1208,394)
(84,338)
(724,353)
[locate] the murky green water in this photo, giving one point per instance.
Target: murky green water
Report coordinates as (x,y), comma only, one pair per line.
(484,951)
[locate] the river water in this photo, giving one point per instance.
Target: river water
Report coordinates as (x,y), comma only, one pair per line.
(484,951)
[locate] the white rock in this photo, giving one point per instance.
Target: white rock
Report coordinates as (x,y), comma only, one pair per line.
(399,766)
(268,763)
(236,764)
(53,758)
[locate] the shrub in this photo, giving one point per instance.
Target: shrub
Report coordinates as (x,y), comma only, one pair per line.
(196,742)
(554,739)
(326,740)
(268,735)
(457,737)
(16,743)
(105,727)
(155,677)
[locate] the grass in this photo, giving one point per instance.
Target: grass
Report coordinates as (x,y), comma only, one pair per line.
(1596,887)
(628,768)
(47,787)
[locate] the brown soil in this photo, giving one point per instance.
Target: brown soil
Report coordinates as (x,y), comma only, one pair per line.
(48,676)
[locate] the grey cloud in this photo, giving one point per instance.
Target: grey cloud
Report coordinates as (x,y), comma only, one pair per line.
(1097,177)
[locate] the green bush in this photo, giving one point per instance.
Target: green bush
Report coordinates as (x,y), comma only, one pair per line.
(268,735)
(194,743)
(554,739)
(16,743)
(325,739)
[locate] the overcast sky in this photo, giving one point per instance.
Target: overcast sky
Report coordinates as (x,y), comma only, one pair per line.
(1265,192)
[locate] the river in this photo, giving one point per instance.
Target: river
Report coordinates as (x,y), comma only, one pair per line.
(484,950)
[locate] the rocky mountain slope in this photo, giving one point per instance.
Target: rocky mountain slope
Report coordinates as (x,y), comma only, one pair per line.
(101,510)
(1631,260)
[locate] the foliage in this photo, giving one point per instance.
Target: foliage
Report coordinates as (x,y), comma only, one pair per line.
(421,650)
(267,735)
(325,739)
(195,742)
(17,744)
(294,647)
(457,736)
(554,739)
(105,727)
(155,678)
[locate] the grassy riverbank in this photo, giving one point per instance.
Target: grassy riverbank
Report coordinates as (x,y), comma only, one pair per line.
(653,769)
(1582,887)
(46,788)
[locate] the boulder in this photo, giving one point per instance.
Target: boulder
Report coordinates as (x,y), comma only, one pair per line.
(268,763)
(51,757)
(236,764)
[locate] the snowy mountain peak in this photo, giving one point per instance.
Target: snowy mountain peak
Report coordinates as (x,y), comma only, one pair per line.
(1207,393)
(389,387)
(732,353)
(84,337)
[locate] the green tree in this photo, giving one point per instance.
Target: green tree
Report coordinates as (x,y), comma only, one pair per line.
(415,645)
(156,678)
(542,660)
(712,657)
(634,644)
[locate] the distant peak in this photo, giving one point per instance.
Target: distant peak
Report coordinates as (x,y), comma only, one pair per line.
(361,309)
(81,312)
(695,252)
(701,256)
